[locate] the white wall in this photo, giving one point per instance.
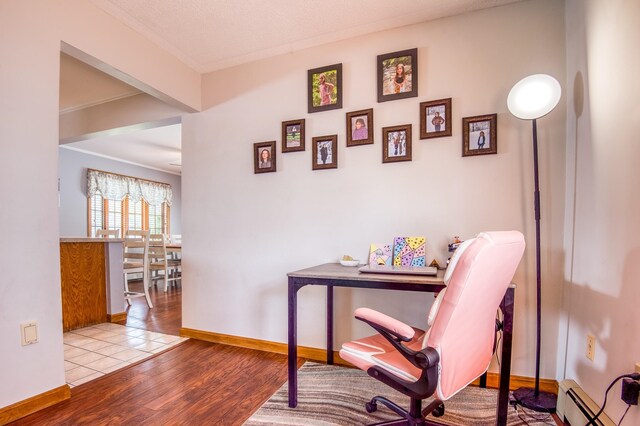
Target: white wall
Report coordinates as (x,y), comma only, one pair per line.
(129,111)
(259,227)
(73,188)
(31,32)
(602,227)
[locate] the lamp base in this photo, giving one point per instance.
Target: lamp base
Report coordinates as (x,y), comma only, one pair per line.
(544,402)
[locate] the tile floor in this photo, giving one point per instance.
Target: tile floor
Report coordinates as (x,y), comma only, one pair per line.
(94,351)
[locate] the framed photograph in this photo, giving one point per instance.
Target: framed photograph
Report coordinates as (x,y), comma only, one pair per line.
(398,75)
(435,118)
(264,157)
(325,88)
(293,135)
(480,135)
(396,143)
(325,152)
(360,127)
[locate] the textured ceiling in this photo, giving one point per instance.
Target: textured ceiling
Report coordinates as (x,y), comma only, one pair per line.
(212,34)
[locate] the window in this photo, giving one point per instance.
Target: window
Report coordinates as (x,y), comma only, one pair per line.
(96,219)
(135,215)
(118,210)
(157,219)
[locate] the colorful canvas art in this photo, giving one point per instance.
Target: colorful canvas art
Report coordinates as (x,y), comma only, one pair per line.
(380,254)
(409,251)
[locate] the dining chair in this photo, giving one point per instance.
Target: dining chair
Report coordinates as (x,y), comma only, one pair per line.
(136,255)
(161,261)
(457,347)
(107,233)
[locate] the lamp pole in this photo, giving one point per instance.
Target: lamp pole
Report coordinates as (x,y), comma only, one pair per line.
(536,204)
(531,98)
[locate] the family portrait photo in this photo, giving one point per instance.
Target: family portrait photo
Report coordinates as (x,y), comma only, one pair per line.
(396,144)
(480,135)
(435,118)
(398,75)
(360,127)
(325,152)
(293,135)
(264,157)
(325,88)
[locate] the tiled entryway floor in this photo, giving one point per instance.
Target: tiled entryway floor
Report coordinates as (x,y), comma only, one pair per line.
(100,349)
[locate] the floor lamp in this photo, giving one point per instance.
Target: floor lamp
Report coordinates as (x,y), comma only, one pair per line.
(531,98)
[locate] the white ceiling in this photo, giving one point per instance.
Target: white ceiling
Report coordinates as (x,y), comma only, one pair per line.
(208,35)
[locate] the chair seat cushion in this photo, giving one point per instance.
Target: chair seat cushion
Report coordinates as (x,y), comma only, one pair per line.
(376,350)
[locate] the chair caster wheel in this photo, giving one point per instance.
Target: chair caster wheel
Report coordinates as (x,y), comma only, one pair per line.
(438,411)
(371,407)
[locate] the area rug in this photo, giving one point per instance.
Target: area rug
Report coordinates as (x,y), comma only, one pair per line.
(332,395)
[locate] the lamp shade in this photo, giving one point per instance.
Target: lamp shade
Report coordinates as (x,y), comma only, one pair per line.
(534,96)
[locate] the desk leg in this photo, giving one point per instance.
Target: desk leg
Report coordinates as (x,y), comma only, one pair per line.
(293,343)
(329,324)
(505,367)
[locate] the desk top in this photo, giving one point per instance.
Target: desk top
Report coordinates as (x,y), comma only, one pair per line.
(335,271)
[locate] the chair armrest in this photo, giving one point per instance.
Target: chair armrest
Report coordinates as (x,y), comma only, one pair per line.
(382,322)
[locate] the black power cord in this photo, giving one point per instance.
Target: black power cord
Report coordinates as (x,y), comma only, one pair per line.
(625,413)
(634,376)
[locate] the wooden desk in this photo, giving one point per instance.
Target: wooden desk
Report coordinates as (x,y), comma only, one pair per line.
(335,275)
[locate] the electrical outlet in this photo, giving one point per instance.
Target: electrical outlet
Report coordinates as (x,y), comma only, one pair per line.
(591,346)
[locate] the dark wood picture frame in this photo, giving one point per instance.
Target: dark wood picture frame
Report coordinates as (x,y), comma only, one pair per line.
(431,124)
(333,77)
(476,135)
(392,152)
(390,89)
(319,159)
(364,116)
(258,148)
(287,131)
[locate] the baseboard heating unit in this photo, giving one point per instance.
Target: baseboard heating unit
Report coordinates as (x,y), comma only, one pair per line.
(576,408)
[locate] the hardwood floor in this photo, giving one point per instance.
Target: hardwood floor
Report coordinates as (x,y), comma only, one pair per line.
(166,315)
(195,383)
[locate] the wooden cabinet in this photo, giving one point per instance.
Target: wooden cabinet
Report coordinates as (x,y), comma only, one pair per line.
(83,277)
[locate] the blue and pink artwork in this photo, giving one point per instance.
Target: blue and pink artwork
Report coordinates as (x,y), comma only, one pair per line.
(409,251)
(380,254)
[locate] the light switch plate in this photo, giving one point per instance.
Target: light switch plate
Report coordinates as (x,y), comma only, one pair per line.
(29,333)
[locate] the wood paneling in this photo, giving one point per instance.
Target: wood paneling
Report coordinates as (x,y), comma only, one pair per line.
(82,272)
(33,404)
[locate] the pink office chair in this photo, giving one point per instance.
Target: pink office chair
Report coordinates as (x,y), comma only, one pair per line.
(458,346)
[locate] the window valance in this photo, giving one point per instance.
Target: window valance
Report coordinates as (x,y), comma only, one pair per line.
(116,187)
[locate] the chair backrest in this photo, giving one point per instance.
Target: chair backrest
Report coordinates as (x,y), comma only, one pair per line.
(134,234)
(107,233)
(158,248)
(136,246)
(463,328)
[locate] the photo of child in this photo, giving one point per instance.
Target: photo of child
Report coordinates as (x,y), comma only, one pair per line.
(324,88)
(397,75)
(436,119)
(293,136)
(359,126)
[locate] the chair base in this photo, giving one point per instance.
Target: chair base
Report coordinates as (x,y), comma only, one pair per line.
(414,417)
